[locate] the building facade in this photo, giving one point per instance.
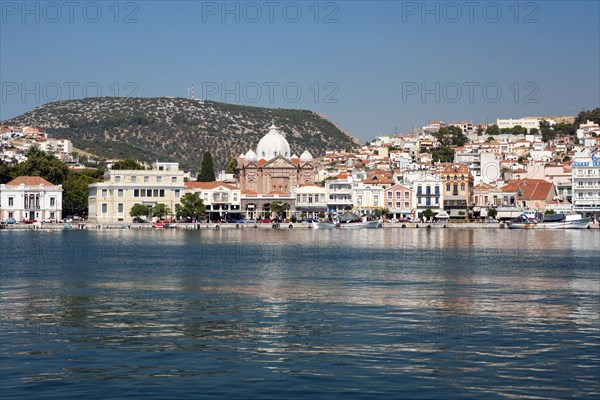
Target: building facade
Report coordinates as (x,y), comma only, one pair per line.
(398,201)
(458,189)
(222,200)
(586,182)
(30,198)
(427,194)
(111,201)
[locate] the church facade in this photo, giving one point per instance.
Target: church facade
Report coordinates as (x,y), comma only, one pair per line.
(272,173)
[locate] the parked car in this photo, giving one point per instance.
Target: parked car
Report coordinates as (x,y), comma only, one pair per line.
(265,221)
(11,221)
(250,221)
(402,219)
(28,221)
(139,220)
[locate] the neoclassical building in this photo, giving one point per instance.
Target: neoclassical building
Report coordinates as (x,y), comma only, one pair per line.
(272,173)
(272,168)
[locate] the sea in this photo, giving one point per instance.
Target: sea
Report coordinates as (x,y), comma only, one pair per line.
(434,313)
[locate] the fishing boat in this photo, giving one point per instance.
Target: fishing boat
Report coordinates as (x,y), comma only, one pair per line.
(158,225)
(554,221)
(522,222)
(347,220)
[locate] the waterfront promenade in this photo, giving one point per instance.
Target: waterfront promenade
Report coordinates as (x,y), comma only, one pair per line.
(246,226)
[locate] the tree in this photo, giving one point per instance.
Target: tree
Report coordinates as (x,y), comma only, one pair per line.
(492,130)
(160,210)
(5,172)
(443,154)
(547,131)
(75,191)
(534,131)
(42,164)
(127,164)
(492,212)
(549,212)
(278,207)
(207,172)
(231,166)
(490,139)
(451,136)
(191,206)
(584,116)
(138,210)
(428,213)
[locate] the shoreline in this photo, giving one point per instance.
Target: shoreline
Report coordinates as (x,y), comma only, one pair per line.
(218,226)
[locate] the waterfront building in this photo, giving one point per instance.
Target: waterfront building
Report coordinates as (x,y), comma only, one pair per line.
(311,200)
(586,182)
(258,205)
(457,189)
(30,198)
(398,201)
(427,193)
(340,193)
(222,200)
(111,201)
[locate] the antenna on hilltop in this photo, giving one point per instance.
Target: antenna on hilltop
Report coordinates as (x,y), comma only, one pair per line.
(192,92)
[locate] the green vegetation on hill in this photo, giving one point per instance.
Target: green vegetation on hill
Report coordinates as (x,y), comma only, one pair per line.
(178,129)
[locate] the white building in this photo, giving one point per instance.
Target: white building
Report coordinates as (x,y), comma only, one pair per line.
(528,123)
(111,201)
(222,200)
(340,194)
(586,182)
(311,200)
(30,198)
(427,193)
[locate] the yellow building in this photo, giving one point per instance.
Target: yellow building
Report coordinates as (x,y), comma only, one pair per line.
(111,201)
(457,184)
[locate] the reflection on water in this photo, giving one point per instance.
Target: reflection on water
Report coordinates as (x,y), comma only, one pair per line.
(435,313)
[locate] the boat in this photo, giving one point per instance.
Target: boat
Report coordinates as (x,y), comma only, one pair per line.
(67,226)
(522,222)
(158,225)
(555,221)
(347,220)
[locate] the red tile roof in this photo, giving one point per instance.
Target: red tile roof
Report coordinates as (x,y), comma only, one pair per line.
(29,181)
(208,185)
(532,189)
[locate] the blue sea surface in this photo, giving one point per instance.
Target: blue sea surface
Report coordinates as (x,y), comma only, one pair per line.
(298,314)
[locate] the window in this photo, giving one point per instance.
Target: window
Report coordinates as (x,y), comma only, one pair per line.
(120,193)
(398,204)
(406,195)
(398,195)
(104,192)
(11,201)
(235,197)
(406,205)
(134,179)
(117,178)
(376,200)
(447,187)
(310,198)
(161,193)
(159,179)
(155,193)
(462,187)
(177,192)
(146,179)
(120,208)
(136,192)
(104,208)
(304,198)
(419,190)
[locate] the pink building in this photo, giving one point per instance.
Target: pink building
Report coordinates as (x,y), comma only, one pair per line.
(398,200)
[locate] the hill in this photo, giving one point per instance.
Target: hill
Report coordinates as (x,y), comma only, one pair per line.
(178,129)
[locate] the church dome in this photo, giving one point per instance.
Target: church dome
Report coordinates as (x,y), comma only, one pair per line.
(306,156)
(250,156)
(273,144)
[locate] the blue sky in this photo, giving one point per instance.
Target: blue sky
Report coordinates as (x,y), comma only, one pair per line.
(371,67)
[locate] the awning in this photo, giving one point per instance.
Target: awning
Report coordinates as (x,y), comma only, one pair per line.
(442,215)
(458,213)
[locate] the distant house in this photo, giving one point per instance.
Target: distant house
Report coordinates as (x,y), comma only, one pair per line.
(30,198)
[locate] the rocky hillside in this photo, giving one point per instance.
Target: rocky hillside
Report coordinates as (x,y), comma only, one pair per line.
(178,129)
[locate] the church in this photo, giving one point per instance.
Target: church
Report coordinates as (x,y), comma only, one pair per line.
(271,173)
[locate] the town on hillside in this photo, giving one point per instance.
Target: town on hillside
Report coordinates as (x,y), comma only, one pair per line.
(455,172)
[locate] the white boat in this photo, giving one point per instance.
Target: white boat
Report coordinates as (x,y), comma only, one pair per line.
(347,225)
(573,221)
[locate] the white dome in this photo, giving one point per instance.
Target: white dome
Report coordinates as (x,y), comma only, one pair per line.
(306,156)
(250,156)
(273,144)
